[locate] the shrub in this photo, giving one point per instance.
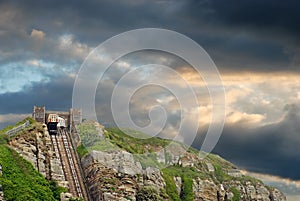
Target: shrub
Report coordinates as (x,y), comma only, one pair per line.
(147,193)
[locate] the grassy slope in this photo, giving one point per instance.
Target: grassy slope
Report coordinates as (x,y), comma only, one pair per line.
(20,180)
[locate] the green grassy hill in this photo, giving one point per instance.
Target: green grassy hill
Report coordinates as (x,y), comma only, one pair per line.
(19,179)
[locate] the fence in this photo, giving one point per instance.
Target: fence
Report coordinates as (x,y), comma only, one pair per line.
(15,130)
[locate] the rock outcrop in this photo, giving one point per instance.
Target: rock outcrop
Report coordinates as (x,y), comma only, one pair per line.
(117,176)
(36,147)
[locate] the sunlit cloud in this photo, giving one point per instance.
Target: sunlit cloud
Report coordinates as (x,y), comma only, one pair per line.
(37,34)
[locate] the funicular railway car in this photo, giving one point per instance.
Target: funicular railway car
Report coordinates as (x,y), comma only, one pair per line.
(52,122)
(55,122)
(61,123)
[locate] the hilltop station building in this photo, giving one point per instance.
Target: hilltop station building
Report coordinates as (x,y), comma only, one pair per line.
(72,117)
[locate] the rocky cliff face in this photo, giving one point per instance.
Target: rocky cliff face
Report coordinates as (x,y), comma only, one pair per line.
(208,190)
(36,147)
(117,176)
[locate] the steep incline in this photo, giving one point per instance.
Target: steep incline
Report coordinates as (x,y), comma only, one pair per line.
(70,164)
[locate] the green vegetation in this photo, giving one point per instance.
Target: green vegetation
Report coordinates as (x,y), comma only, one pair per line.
(187,174)
(102,145)
(91,140)
(236,194)
(88,134)
(147,161)
(21,181)
(148,193)
(3,138)
(244,178)
(220,174)
(116,139)
(57,190)
(170,186)
(75,199)
(133,144)
(81,150)
(187,191)
(215,159)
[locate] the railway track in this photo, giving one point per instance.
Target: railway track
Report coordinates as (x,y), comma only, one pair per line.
(56,151)
(66,154)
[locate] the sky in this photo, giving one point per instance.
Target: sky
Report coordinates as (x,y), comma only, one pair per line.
(254,44)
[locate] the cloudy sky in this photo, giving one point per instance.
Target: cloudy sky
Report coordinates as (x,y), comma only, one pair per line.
(255,45)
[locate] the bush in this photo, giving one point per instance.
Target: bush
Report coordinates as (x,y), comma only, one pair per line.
(147,193)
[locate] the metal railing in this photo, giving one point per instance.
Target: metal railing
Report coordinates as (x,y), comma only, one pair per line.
(16,129)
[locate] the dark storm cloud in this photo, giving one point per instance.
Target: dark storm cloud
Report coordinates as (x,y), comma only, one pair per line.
(255,16)
(92,21)
(272,149)
(55,95)
(243,35)
(275,15)
(247,35)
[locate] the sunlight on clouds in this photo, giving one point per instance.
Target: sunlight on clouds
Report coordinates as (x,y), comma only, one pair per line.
(37,34)
(205,113)
(71,48)
(251,98)
(244,118)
